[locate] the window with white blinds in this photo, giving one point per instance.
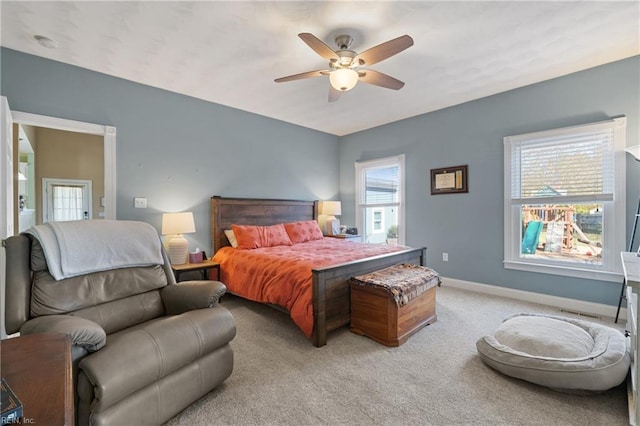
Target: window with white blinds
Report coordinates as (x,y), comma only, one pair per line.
(379,200)
(382,185)
(564,200)
(574,167)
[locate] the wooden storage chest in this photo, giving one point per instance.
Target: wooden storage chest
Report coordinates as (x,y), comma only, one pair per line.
(390,310)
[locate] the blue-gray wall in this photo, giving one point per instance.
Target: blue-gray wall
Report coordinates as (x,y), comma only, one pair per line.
(470,226)
(176,150)
(179,151)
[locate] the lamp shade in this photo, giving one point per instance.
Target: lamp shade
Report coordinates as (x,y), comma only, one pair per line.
(635,151)
(331,208)
(343,79)
(177,223)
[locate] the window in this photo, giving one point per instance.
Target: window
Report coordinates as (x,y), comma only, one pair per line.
(378,222)
(67,203)
(565,200)
(380,200)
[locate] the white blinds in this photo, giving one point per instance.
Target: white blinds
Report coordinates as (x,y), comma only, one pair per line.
(382,186)
(562,169)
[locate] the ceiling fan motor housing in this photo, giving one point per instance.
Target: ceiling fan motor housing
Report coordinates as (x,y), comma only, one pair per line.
(346,56)
(346,59)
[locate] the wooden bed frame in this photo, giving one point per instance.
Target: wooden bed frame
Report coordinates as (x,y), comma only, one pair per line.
(331,291)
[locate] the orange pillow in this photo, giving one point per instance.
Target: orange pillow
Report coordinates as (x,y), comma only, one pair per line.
(301,232)
(250,237)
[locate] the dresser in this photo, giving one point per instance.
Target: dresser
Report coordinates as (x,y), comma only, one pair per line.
(631,268)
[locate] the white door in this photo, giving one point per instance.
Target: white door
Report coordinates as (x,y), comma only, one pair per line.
(66,199)
(6,195)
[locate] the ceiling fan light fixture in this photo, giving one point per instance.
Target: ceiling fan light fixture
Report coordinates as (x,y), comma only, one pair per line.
(343,79)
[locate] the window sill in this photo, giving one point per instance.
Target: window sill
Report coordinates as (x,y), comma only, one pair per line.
(589,274)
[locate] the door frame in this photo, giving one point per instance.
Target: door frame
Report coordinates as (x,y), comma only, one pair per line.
(109,138)
(6,196)
(7,176)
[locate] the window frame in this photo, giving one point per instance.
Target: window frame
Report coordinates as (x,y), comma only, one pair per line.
(361,167)
(614,212)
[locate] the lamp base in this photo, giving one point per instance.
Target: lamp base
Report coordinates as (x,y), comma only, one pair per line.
(178,250)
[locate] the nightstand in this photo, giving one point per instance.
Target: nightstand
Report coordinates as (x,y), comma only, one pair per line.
(346,237)
(37,368)
(203,266)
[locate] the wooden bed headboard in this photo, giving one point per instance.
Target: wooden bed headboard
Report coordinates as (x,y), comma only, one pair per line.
(255,211)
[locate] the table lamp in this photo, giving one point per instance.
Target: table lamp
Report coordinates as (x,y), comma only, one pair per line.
(331,209)
(174,225)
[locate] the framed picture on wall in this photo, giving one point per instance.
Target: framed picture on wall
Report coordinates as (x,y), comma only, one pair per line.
(449,180)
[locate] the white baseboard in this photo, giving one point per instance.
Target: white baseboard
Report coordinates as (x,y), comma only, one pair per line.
(573,305)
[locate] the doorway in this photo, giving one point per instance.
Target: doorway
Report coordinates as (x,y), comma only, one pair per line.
(57,155)
(107,202)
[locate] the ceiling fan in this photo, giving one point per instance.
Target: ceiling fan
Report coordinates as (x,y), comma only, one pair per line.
(345,66)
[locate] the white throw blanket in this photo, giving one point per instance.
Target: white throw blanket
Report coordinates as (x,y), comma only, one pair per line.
(86,246)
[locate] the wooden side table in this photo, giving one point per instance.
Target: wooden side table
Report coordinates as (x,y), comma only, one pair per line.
(203,266)
(37,367)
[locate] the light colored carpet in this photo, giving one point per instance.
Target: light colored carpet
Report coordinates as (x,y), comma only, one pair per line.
(436,378)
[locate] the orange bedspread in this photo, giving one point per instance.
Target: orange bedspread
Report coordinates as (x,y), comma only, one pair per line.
(282,275)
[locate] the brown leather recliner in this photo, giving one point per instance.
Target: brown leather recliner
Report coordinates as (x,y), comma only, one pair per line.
(144,347)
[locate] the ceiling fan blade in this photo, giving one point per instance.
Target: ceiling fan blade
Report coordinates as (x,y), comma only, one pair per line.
(308,74)
(383,51)
(319,46)
(380,79)
(334,94)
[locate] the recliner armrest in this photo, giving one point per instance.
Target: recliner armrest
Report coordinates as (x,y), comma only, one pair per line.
(189,295)
(84,333)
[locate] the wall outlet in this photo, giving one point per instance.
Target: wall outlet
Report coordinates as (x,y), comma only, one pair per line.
(140,203)
(445,257)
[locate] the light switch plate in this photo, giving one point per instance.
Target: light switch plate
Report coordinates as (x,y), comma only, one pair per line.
(140,203)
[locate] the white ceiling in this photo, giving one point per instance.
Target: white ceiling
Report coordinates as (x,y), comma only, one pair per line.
(230,52)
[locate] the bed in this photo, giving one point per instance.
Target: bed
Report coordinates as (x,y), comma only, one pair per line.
(330,292)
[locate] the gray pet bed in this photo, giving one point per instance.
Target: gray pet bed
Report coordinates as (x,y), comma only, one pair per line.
(564,354)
